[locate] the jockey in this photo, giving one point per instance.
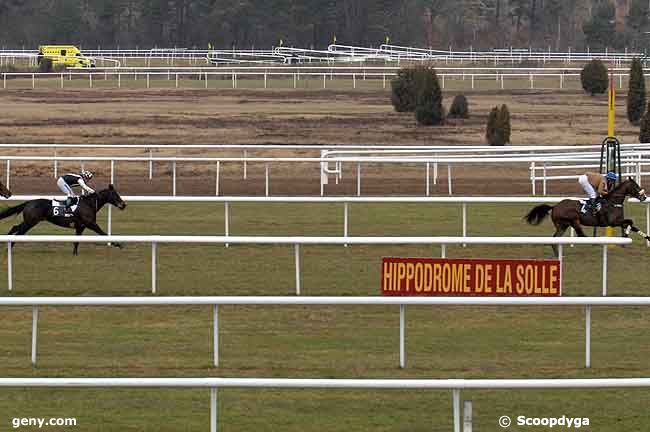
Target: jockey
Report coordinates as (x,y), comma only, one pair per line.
(597,186)
(67,182)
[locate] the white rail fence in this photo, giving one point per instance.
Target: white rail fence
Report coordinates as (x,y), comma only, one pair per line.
(541,158)
(402,302)
(455,385)
(347,202)
(428,163)
(346,53)
(297,242)
(239,79)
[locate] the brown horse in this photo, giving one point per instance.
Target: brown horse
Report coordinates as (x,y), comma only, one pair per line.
(4,191)
(568,213)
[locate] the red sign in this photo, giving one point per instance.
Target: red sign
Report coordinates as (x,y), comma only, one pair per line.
(470,277)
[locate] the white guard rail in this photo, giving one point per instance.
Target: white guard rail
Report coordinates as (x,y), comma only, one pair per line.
(154,240)
(428,161)
(346,201)
(236,77)
(402,302)
(455,385)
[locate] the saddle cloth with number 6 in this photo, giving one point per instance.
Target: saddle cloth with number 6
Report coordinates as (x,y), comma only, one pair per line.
(59,209)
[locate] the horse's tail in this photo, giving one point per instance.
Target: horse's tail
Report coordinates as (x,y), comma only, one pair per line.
(13,210)
(538,214)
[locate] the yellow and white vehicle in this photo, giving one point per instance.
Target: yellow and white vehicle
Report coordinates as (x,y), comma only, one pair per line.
(65,55)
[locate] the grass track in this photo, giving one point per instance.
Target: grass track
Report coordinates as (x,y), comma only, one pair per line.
(318,342)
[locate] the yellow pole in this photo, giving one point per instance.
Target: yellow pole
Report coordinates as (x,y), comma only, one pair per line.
(611,111)
(611,116)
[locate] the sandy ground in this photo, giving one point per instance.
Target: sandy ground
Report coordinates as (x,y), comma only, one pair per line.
(285,117)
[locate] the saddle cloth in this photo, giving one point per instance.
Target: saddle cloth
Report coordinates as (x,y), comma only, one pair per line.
(59,209)
(583,206)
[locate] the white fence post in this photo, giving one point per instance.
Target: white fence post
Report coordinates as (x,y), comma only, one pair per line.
(449,179)
(213,409)
(10,267)
(358,179)
(402,336)
(297,265)
(464,206)
(34,332)
(215,334)
(110,220)
(150,164)
(456,402)
(245,165)
(604,270)
(174,178)
(346,212)
(226,219)
(467,416)
(216,181)
(532,177)
(588,336)
(647,222)
(266,179)
(154,260)
(7,182)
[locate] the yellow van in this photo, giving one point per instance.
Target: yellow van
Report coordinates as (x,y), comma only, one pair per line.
(65,55)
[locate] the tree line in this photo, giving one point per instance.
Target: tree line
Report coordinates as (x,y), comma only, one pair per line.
(245,24)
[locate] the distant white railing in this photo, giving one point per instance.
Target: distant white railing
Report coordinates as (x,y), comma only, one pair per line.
(402,302)
(296,242)
(340,53)
(427,161)
(550,80)
(541,158)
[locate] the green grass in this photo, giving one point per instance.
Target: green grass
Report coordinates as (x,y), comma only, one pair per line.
(314,342)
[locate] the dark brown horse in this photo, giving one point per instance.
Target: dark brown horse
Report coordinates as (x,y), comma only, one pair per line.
(4,191)
(568,213)
(39,210)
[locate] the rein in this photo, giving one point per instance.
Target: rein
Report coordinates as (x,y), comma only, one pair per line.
(618,194)
(95,198)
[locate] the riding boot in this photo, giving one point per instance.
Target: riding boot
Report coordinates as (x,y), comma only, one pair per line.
(593,205)
(69,202)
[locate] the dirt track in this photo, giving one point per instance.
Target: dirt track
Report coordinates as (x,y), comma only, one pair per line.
(286,117)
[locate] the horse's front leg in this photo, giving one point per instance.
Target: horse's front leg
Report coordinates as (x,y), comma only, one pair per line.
(628,227)
(79,229)
(93,226)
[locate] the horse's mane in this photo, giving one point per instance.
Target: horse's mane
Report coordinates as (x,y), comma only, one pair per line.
(620,185)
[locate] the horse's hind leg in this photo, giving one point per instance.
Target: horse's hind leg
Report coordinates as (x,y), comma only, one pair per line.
(578,228)
(79,229)
(560,229)
(14,229)
(20,229)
